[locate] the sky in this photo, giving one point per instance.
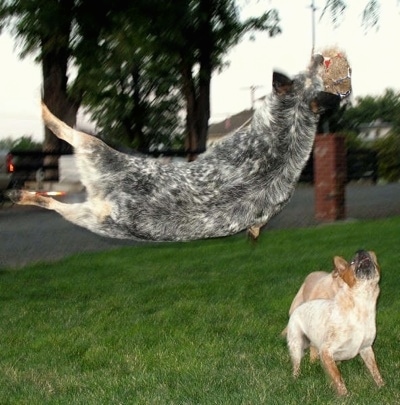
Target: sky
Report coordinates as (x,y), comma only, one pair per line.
(373,55)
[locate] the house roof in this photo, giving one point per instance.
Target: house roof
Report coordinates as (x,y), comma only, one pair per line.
(375,124)
(230,124)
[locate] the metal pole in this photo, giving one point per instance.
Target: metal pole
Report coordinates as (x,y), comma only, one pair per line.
(313,9)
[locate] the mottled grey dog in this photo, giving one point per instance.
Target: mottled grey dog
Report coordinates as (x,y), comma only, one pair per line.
(239,184)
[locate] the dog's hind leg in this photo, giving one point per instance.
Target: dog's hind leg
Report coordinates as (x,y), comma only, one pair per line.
(296,344)
(89,151)
(314,354)
(77,139)
(87,214)
(369,359)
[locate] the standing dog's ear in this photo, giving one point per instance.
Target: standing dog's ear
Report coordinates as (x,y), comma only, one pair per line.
(344,271)
(375,260)
(324,101)
(281,83)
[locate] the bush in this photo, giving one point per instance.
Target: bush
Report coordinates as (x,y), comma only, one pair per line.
(388,150)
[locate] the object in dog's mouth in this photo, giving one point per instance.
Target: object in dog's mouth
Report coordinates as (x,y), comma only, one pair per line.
(336,72)
(239,184)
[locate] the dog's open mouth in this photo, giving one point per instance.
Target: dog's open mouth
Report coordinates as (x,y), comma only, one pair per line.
(364,265)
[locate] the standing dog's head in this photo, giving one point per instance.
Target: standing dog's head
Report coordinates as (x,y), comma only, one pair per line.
(363,268)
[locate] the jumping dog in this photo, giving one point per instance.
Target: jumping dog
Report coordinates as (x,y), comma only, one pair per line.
(239,184)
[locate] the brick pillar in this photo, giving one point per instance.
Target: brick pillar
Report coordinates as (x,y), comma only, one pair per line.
(329,177)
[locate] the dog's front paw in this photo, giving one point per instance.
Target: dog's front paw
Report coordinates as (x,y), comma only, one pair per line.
(253,232)
(341,389)
(379,381)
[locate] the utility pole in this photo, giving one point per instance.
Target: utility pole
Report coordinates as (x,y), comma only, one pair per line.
(252,89)
(313,10)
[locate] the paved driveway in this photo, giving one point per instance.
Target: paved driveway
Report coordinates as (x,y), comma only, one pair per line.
(362,202)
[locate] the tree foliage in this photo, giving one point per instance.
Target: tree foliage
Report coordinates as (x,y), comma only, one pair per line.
(368,109)
(23,143)
(44,28)
(136,65)
(370,14)
(388,150)
(199,33)
(385,107)
(132,91)
(133,60)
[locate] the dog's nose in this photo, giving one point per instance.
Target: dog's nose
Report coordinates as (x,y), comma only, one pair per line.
(362,253)
(364,264)
(359,255)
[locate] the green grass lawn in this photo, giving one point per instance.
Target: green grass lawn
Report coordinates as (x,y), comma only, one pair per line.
(187,323)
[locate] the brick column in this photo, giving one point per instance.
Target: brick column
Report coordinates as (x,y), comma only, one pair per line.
(329,177)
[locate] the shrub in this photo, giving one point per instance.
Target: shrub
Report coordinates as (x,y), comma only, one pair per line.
(388,150)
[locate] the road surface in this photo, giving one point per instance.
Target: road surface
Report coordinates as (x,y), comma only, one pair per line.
(31,234)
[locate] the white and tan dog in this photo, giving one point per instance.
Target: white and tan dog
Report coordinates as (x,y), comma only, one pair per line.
(343,326)
(317,285)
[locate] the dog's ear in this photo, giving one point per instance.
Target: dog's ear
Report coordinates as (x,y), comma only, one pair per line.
(281,83)
(375,259)
(324,101)
(316,61)
(373,256)
(340,266)
(344,271)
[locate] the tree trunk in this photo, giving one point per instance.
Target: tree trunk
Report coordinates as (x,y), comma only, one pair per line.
(197,91)
(189,92)
(56,98)
(54,68)
(203,104)
(55,55)
(206,48)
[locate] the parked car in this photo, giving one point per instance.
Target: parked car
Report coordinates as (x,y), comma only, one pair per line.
(5,173)
(24,166)
(30,170)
